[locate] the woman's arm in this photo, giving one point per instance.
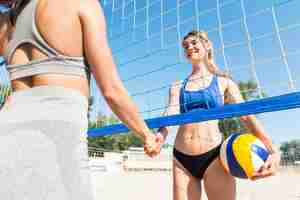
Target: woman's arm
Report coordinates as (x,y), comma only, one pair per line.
(172,106)
(99,56)
(251,122)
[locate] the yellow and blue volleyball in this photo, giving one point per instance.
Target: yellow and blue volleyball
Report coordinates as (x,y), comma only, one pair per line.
(243,154)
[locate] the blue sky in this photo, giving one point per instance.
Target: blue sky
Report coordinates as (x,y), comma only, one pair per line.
(145,37)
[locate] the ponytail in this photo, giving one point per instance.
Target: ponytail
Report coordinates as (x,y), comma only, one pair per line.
(16,9)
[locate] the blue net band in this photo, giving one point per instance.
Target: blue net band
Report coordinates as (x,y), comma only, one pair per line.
(270,104)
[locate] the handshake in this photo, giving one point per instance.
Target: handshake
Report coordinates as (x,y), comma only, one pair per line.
(153,144)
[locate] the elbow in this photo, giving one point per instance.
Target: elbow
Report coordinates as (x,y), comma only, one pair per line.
(112,95)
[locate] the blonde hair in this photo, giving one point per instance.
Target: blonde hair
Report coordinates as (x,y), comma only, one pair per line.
(212,66)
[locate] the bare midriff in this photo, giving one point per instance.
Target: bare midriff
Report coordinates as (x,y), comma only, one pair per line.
(198,138)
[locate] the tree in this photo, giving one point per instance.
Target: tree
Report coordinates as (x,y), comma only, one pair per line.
(234,125)
(118,142)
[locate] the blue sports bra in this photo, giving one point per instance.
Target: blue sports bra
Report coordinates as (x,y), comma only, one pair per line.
(209,97)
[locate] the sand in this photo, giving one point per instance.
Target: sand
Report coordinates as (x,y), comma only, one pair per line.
(119,185)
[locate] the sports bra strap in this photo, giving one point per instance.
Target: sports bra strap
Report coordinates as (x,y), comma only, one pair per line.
(185,83)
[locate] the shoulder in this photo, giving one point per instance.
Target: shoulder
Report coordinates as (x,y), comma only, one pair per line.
(52,11)
(88,7)
(67,6)
(175,87)
(176,84)
(56,6)
(226,82)
(91,15)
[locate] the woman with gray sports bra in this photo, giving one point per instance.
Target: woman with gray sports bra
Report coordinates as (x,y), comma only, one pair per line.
(50,47)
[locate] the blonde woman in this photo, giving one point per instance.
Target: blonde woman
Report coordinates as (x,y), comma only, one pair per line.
(197,145)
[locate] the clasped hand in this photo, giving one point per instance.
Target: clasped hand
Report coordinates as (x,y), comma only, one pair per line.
(153,144)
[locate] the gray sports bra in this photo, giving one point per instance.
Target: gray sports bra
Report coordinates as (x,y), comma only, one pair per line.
(27,32)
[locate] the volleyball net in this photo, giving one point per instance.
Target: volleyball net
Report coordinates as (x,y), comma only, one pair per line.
(255,41)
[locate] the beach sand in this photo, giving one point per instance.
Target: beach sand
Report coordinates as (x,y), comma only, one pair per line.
(119,185)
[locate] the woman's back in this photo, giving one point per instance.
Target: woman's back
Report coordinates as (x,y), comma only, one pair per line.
(59,25)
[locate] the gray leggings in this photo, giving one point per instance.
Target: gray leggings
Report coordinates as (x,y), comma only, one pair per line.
(43,146)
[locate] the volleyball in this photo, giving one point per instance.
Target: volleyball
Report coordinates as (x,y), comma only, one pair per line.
(243,154)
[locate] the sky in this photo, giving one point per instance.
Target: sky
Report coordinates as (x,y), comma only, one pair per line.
(260,43)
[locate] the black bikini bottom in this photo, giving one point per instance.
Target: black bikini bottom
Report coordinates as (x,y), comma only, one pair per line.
(197,164)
